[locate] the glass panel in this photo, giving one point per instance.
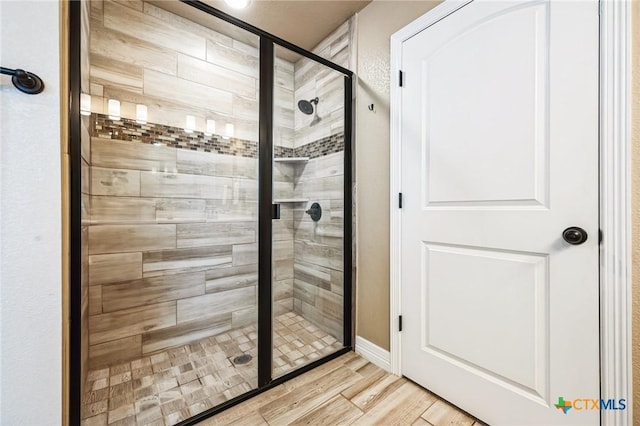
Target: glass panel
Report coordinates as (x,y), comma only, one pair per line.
(308,239)
(171,206)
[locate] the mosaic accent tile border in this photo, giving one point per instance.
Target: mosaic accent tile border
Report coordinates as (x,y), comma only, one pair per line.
(150,133)
(130,130)
(283,152)
(321,147)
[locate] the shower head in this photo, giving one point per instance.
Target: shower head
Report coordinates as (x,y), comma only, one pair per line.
(306,107)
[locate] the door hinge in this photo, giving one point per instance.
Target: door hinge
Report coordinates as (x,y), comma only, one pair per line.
(400,78)
(400,323)
(600,236)
(400,200)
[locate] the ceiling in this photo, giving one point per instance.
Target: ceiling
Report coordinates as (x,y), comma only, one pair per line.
(301,22)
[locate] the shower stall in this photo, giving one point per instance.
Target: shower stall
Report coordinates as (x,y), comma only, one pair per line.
(211,210)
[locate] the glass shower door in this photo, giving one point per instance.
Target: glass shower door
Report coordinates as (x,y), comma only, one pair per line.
(308,187)
(170,192)
(188,294)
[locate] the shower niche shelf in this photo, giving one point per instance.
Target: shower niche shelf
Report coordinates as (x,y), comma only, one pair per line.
(291,200)
(292,160)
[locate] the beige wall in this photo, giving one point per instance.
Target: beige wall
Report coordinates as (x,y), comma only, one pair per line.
(635,212)
(376,23)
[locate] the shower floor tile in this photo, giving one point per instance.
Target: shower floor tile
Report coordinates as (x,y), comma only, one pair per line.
(297,342)
(171,386)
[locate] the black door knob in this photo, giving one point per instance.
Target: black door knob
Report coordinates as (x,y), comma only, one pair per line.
(574,235)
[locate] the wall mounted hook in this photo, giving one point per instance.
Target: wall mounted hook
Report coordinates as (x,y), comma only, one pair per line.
(24,81)
(371,107)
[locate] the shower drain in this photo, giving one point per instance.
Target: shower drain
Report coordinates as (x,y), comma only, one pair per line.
(242,359)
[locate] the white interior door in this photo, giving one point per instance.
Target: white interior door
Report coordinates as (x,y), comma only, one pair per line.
(499,135)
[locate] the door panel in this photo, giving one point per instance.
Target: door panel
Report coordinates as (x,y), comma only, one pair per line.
(500,124)
(511,170)
(507,340)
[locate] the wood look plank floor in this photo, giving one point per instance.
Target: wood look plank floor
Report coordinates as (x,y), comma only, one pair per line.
(348,390)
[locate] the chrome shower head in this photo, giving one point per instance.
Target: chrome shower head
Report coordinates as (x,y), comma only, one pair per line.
(306,107)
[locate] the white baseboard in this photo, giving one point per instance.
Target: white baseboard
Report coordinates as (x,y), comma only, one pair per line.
(373,353)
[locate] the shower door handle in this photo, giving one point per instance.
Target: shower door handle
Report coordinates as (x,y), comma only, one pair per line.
(275,214)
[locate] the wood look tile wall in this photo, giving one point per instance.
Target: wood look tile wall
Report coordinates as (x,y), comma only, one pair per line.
(171,247)
(312,79)
(141,53)
(318,246)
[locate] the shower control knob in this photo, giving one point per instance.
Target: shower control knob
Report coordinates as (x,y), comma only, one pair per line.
(574,235)
(315,211)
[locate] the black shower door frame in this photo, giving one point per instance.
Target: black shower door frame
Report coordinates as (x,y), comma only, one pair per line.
(265,211)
